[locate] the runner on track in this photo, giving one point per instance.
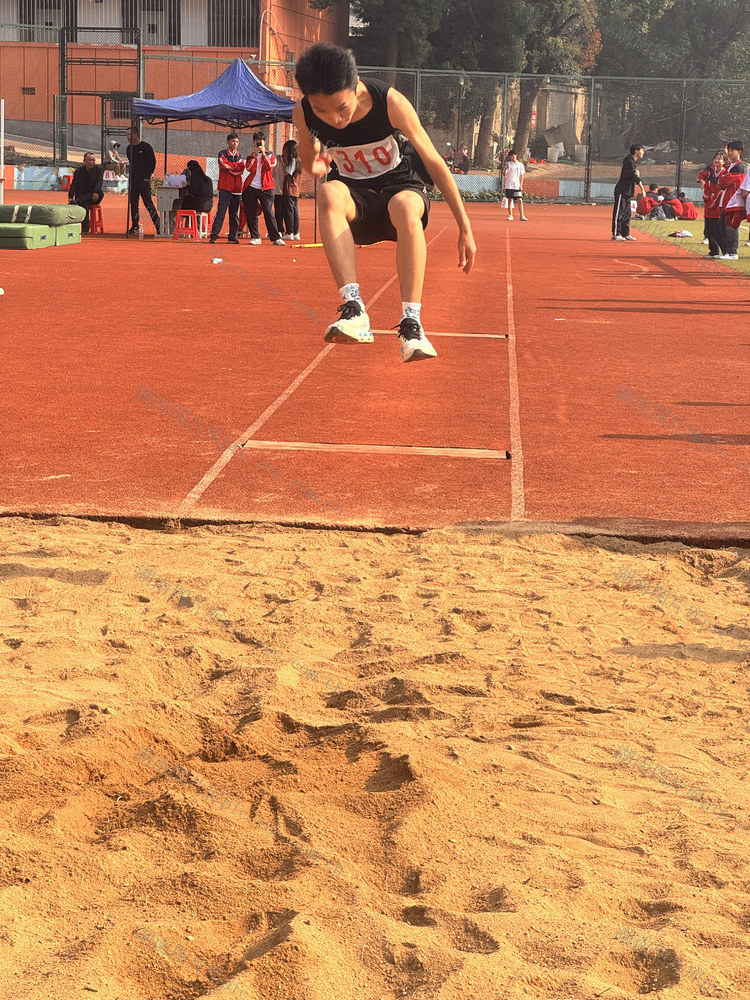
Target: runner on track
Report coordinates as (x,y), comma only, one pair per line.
(377,186)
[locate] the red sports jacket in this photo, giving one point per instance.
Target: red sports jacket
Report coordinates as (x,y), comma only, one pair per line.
(711,195)
(645,203)
(688,209)
(231,168)
(268,162)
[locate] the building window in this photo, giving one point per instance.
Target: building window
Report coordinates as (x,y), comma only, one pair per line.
(233,23)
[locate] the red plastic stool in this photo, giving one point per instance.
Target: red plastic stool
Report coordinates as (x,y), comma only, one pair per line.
(67,180)
(96,219)
(186,224)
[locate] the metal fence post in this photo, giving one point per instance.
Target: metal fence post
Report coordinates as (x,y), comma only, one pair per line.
(63,95)
(418,92)
(504,123)
(681,134)
(589,143)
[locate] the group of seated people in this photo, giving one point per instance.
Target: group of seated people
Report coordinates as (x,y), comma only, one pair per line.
(663,203)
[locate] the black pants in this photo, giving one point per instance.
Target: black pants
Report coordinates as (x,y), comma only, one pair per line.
(227,200)
(730,238)
(250,198)
(197,204)
(621,216)
(278,212)
(715,234)
(86,201)
(291,215)
(140,187)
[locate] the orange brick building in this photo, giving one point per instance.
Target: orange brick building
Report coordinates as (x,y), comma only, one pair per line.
(186,44)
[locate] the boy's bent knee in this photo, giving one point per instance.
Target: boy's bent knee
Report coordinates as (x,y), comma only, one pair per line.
(333,196)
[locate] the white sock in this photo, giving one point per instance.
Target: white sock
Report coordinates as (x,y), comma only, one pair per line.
(350,293)
(412,310)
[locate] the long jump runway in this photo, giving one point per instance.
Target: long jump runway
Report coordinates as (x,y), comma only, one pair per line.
(143,381)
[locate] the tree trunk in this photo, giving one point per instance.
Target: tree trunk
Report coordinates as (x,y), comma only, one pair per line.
(486,121)
(530,88)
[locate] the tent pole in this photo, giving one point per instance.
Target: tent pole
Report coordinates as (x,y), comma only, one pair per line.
(315,196)
(166,126)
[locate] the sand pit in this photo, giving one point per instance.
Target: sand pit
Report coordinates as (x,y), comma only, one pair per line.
(433,801)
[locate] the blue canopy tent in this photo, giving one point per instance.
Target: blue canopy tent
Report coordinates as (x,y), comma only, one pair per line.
(236,99)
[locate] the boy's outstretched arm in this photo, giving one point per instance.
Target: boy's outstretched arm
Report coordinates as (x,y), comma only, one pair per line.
(405,118)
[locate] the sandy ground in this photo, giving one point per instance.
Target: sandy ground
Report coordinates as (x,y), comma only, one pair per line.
(432,802)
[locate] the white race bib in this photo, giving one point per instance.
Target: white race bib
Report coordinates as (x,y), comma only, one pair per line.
(370,160)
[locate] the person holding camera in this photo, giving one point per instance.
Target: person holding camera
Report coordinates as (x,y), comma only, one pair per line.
(259,187)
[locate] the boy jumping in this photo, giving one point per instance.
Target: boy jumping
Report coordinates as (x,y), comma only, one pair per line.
(377,188)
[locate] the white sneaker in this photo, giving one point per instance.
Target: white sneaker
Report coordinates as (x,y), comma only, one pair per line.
(630,239)
(510,218)
(524,219)
(289,236)
(257,242)
(296,236)
(619,239)
(730,256)
(278,243)
(705,243)
(353,327)
(414,345)
(748,243)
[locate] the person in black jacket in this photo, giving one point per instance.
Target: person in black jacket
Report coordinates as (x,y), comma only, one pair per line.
(200,190)
(86,188)
(142,165)
(624,191)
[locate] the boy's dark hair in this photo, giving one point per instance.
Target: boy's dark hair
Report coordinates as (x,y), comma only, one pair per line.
(326,69)
(511,152)
(635,147)
(653,187)
(232,135)
(259,135)
(735,144)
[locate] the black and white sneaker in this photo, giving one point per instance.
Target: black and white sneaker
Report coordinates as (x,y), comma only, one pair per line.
(414,345)
(353,326)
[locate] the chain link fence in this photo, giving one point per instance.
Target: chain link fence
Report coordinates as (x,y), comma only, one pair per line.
(573,132)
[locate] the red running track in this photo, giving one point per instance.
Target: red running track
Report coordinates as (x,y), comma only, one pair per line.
(538,339)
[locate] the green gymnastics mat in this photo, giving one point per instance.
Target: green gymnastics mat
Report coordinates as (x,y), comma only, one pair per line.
(67,234)
(42,215)
(17,237)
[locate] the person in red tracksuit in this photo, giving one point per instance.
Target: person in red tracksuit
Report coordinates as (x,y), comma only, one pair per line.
(729,181)
(711,210)
(647,201)
(259,187)
(689,210)
(675,204)
(231,168)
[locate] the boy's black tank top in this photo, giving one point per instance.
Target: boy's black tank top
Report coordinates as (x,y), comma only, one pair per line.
(370,152)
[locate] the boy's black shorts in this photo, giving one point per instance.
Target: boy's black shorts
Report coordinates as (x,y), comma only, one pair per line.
(372,222)
(513,194)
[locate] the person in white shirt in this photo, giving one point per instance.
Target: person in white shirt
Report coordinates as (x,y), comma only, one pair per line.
(513,181)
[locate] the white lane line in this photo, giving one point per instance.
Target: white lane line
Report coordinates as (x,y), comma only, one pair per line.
(375,449)
(432,333)
(517,499)
(630,263)
(200,488)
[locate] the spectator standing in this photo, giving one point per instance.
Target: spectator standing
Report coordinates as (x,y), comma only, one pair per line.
(624,191)
(259,188)
(513,180)
(292,171)
(711,208)
(730,181)
(142,165)
(199,193)
(278,196)
(87,187)
(231,168)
